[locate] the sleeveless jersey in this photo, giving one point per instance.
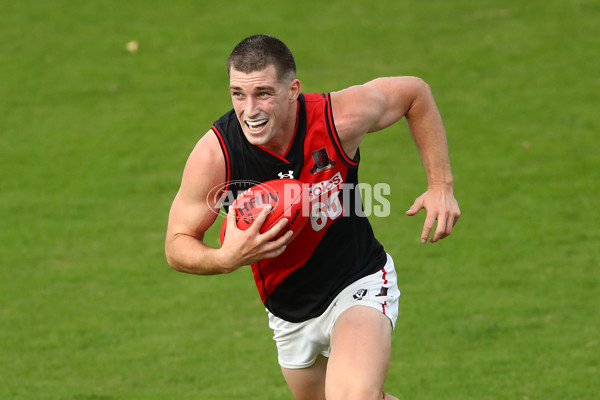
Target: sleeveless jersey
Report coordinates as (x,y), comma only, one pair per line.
(336,246)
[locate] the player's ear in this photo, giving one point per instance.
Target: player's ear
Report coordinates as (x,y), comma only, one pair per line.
(294,89)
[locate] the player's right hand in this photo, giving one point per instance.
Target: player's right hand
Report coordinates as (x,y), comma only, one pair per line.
(247,247)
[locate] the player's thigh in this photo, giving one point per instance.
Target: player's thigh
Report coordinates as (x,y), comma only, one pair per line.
(307,383)
(360,354)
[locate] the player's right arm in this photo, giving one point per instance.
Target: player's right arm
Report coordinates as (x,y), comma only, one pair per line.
(195,209)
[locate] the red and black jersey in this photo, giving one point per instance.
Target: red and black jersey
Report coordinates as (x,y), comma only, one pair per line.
(337,246)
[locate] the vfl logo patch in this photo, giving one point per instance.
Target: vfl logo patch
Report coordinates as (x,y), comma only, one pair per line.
(360,294)
(322,161)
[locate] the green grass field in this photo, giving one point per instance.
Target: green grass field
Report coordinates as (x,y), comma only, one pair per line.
(93,140)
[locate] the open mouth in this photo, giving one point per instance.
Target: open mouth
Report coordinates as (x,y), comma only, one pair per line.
(256,126)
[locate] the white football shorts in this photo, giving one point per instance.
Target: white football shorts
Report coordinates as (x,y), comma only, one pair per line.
(299,344)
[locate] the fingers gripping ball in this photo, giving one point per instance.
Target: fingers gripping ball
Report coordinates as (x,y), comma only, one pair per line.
(288,198)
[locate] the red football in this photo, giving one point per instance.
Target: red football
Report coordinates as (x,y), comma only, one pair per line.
(288,199)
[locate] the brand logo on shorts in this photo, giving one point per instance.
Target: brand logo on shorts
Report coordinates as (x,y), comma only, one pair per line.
(360,294)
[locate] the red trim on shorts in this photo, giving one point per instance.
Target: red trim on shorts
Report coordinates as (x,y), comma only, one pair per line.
(385,281)
(383,276)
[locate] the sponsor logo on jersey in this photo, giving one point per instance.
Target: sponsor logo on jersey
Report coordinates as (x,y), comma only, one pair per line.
(321,188)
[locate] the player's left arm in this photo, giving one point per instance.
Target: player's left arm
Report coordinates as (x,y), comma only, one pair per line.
(382,102)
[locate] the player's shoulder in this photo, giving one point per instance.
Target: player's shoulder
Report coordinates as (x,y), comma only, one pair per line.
(376,92)
(355,108)
(226,122)
(204,171)
(206,159)
(361,100)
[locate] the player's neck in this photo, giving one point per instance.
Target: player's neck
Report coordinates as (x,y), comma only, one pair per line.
(281,142)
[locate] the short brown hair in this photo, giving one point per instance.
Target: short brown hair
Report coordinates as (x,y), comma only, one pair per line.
(257,52)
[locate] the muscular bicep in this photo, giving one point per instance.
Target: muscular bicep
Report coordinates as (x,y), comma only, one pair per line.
(189,217)
(196,204)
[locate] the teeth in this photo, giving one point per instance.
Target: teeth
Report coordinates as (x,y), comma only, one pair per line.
(256,123)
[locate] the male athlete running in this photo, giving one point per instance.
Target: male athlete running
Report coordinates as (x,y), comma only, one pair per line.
(331,293)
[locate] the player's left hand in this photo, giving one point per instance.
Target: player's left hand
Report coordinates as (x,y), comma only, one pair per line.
(441,206)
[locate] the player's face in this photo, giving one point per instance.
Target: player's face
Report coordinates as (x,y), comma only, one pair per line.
(265,106)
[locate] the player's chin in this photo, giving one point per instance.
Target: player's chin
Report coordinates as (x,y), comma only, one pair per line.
(257,138)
